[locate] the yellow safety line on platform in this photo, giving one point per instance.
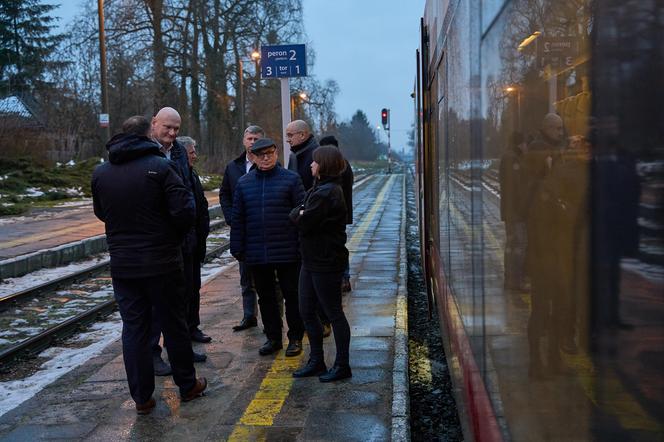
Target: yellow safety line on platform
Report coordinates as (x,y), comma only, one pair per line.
(278,381)
(621,403)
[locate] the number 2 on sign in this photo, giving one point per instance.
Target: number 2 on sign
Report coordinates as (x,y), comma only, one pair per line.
(292,54)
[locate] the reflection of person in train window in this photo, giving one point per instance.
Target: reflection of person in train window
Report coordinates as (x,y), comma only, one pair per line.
(543,239)
(570,176)
(513,211)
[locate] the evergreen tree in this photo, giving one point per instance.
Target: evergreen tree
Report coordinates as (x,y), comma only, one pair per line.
(26,42)
(358,140)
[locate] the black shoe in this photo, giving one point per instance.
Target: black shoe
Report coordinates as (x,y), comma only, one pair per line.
(270,347)
(294,347)
(313,368)
(327,330)
(198,336)
(161,368)
(245,324)
(199,357)
(336,373)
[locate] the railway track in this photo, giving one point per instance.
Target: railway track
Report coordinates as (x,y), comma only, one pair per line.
(99,275)
(56,330)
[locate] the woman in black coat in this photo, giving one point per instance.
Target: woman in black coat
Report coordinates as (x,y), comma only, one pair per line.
(321,221)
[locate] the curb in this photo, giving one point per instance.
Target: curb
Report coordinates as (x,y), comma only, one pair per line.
(63,254)
(400,392)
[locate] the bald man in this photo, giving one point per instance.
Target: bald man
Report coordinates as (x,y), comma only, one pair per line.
(165,127)
(303,144)
(544,154)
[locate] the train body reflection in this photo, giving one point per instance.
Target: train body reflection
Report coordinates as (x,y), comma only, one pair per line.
(541,174)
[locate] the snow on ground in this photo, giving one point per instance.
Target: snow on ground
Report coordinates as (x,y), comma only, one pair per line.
(42,216)
(33,279)
(61,361)
(651,272)
(77,203)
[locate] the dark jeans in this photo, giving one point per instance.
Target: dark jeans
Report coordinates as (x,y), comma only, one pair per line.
(193,318)
(188,274)
(324,290)
(249,308)
(264,281)
(137,300)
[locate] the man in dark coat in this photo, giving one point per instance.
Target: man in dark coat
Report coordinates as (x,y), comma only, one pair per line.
(202,227)
(165,127)
(347,187)
(147,210)
(264,238)
(513,211)
(302,144)
(234,170)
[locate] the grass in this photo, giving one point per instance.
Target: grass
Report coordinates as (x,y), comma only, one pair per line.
(57,183)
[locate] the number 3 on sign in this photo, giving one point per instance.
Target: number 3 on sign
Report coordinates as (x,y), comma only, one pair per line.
(269,70)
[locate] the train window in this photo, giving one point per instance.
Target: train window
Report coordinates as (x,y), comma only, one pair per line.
(551,238)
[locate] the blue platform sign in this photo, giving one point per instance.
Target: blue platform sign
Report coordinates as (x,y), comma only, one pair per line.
(283,61)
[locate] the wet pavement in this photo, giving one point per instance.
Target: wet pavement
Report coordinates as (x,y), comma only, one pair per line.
(47,228)
(251,397)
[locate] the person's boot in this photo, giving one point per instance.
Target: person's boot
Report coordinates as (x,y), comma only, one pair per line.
(313,368)
(336,373)
(270,347)
(161,368)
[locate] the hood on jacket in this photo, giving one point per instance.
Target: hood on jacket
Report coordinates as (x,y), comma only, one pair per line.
(123,148)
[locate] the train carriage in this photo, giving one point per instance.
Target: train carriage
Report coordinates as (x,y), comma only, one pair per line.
(540,170)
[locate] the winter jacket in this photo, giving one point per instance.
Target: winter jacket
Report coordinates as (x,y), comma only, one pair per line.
(261,232)
(513,190)
(347,187)
(202,225)
(234,170)
(181,160)
(321,221)
(303,159)
(145,206)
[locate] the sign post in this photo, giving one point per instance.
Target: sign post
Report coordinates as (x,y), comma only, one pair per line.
(283,62)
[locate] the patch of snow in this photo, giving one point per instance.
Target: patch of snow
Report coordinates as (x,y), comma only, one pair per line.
(58,164)
(62,361)
(7,204)
(41,276)
(77,203)
(3,177)
(101,160)
(33,192)
(71,163)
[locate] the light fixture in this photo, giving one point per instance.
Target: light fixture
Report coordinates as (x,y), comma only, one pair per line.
(528,40)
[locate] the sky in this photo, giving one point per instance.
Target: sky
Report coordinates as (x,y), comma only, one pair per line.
(367,46)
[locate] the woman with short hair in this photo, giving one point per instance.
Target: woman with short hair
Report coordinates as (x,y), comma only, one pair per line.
(321,221)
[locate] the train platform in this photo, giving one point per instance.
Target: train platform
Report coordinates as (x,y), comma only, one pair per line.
(52,227)
(253,397)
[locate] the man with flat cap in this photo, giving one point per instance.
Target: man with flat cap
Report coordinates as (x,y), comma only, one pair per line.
(264,239)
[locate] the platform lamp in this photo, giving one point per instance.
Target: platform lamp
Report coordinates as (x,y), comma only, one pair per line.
(255,57)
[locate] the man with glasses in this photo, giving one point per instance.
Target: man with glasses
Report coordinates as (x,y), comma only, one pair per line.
(263,237)
(234,171)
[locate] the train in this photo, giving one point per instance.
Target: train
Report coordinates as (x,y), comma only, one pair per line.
(540,175)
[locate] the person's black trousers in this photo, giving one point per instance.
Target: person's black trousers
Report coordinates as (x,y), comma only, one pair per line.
(264,281)
(137,300)
(187,274)
(194,319)
(324,290)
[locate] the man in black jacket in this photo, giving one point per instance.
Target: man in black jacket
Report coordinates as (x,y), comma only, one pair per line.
(147,210)
(165,127)
(202,227)
(234,170)
(303,144)
(347,187)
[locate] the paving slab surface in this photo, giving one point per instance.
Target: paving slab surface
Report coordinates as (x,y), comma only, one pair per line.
(253,397)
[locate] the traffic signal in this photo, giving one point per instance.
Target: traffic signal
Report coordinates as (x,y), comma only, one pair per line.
(385,117)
